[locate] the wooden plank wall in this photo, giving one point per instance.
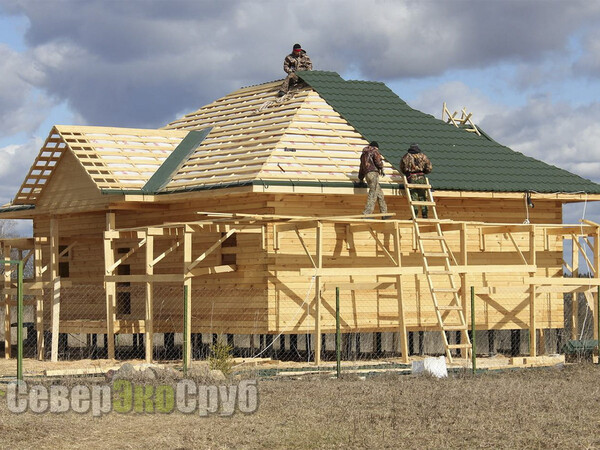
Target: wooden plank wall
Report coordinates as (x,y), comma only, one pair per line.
(267,294)
(365,310)
(234,302)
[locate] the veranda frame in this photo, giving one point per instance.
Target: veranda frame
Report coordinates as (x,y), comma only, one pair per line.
(528,243)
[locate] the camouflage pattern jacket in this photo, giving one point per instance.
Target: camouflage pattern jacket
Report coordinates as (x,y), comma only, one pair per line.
(415,162)
(294,63)
(370,161)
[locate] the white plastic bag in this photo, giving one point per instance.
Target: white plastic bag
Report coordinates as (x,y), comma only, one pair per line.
(434,366)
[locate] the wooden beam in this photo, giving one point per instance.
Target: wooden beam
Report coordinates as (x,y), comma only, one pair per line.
(575,275)
(127,255)
(464,260)
(319,265)
(382,247)
(187,283)
(312,261)
(146,278)
(349,286)
(596,253)
(149,338)
(110,286)
(54,251)
(583,253)
(413,270)
(400,296)
(532,295)
(39,309)
(517,247)
(560,281)
(166,252)
(295,226)
(6,249)
(200,271)
(216,245)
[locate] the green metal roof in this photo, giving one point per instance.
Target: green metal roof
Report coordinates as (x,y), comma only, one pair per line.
(461,160)
(175,161)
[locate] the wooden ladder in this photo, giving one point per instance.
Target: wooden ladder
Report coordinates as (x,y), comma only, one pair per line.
(437,266)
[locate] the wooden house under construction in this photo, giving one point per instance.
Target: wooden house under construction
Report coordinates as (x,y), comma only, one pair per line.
(251,205)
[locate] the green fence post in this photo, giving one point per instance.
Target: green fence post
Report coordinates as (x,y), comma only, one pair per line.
(185,330)
(338,335)
(20,321)
(473,347)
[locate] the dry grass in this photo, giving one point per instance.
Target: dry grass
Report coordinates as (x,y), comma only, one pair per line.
(535,408)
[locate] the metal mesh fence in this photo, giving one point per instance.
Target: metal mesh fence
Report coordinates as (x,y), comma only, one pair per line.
(256,323)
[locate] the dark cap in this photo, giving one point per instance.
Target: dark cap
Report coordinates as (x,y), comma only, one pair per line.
(414,147)
(297,47)
(374,144)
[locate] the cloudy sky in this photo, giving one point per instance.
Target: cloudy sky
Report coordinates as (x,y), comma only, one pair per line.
(528,70)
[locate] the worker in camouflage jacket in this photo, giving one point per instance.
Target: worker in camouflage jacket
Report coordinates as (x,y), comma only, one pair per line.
(371,167)
(415,165)
(295,61)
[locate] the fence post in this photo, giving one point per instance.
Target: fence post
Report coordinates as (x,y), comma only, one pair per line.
(185,330)
(473,347)
(338,334)
(20,321)
(598,321)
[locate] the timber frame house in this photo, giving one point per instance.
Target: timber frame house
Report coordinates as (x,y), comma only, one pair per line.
(259,195)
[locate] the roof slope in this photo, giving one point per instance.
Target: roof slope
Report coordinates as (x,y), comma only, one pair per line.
(461,160)
(257,137)
(113,158)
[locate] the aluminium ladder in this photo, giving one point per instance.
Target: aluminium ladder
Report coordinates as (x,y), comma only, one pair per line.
(437,266)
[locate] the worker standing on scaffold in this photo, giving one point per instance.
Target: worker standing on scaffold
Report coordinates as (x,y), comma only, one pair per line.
(371,167)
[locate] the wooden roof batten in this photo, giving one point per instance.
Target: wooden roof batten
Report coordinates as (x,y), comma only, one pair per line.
(113,158)
(257,138)
(299,144)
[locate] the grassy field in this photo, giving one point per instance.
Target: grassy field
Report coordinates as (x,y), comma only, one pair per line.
(534,408)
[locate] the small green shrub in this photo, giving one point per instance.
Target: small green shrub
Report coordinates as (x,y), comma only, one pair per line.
(220,358)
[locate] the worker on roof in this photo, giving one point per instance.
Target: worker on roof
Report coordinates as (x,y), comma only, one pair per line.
(371,166)
(295,61)
(415,165)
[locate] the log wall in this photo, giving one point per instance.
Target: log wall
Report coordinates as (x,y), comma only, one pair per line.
(267,293)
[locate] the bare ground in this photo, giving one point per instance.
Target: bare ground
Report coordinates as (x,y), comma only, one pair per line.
(530,408)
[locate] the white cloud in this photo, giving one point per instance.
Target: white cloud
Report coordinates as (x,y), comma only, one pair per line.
(15,161)
(137,66)
(22,109)
(457,95)
(555,132)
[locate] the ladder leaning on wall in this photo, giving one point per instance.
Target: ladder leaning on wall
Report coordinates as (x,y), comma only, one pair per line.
(437,266)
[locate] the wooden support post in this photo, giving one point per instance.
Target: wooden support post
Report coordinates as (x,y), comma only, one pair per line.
(596,250)
(187,281)
(6,249)
(39,306)
(319,264)
(463,276)
(149,298)
(532,295)
(110,287)
(54,236)
(574,295)
(400,294)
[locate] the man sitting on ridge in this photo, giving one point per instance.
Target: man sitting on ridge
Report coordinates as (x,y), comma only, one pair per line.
(295,61)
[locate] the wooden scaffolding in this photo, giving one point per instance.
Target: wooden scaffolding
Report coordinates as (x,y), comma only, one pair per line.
(300,249)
